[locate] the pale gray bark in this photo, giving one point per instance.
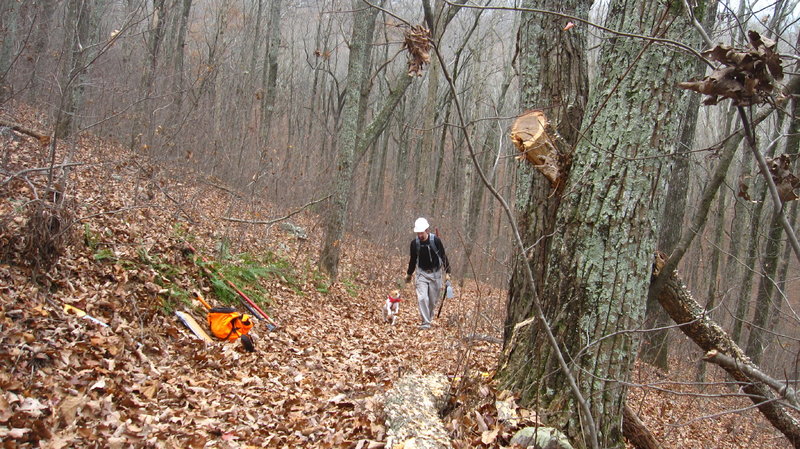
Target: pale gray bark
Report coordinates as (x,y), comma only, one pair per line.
(605,228)
(347,138)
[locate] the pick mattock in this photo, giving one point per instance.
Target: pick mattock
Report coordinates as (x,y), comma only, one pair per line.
(249,303)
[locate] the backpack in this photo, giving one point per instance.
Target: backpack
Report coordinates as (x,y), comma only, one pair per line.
(432,238)
(228,324)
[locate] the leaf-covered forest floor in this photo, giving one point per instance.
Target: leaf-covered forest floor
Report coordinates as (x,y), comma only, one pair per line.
(314,381)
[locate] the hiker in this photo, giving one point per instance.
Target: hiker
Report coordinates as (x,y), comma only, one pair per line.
(428,259)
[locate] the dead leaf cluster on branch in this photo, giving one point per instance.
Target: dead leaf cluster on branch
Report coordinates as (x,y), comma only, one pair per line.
(747,77)
(781,170)
(785,181)
(418,44)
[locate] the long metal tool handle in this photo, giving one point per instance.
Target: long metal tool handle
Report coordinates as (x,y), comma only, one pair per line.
(441,303)
(236,289)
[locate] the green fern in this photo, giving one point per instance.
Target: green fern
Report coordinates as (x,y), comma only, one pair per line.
(172,300)
(104,254)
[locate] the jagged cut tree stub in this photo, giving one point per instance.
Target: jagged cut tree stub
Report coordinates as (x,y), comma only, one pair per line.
(535,139)
(418,44)
(747,77)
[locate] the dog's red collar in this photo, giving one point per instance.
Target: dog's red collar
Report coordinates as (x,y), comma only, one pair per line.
(394,300)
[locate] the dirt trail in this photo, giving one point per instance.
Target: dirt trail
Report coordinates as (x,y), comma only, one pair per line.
(144,381)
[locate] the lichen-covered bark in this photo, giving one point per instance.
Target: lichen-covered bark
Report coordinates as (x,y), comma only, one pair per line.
(597,269)
(554,70)
(347,138)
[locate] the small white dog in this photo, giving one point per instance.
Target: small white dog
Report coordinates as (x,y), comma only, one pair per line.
(392,307)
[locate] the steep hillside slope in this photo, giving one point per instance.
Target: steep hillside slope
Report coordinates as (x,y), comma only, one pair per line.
(314,381)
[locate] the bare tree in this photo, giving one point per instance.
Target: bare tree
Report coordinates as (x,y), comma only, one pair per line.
(357,71)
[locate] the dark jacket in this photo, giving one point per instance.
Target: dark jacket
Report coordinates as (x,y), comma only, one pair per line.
(428,259)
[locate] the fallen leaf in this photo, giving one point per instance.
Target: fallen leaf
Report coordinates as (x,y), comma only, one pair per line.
(68,409)
(488,437)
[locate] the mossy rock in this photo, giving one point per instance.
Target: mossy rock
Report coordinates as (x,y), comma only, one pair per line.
(541,438)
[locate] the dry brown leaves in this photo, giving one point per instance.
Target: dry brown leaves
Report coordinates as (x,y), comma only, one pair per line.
(747,76)
(418,44)
(144,381)
(780,168)
(681,413)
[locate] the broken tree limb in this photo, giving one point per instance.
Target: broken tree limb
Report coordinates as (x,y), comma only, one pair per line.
(728,362)
(38,135)
(480,337)
(692,320)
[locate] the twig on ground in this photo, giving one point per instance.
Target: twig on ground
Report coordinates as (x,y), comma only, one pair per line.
(279,219)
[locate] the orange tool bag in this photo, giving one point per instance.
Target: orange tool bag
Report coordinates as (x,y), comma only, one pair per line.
(228,324)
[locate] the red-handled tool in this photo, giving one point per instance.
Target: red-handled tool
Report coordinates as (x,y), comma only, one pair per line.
(249,302)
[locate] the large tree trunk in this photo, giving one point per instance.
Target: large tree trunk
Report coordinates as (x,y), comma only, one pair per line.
(713,275)
(79,13)
(764,306)
(606,226)
(554,78)
(8,28)
(270,75)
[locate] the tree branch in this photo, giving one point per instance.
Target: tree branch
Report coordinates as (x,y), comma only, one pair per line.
(39,135)
(693,321)
(728,363)
(276,220)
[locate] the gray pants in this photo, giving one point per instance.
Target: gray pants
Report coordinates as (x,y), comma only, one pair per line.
(428,291)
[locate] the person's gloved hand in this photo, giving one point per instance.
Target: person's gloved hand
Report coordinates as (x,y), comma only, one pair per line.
(408,278)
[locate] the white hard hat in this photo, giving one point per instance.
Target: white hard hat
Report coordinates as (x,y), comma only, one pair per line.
(421,225)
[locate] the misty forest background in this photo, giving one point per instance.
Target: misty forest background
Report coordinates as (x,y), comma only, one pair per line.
(266,97)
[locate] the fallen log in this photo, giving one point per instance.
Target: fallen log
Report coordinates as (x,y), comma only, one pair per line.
(634,430)
(40,136)
(412,412)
